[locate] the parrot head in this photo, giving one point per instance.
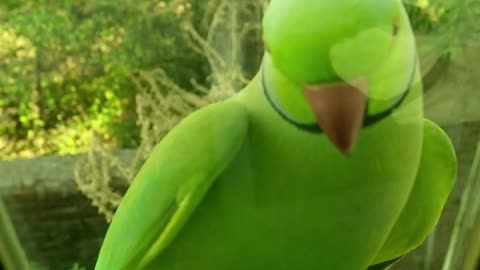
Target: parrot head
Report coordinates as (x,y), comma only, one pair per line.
(334,63)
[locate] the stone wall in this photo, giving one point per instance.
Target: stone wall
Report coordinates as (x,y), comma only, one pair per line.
(55,225)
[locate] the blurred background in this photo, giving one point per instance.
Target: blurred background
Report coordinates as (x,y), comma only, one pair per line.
(87,88)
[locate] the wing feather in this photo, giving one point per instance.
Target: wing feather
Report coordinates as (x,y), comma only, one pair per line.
(171,183)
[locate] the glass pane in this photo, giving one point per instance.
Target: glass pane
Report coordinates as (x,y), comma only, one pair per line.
(89,88)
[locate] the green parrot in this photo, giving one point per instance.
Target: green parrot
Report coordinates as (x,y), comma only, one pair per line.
(323,161)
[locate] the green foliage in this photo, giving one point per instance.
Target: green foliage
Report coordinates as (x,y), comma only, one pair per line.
(65,69)
(450,24)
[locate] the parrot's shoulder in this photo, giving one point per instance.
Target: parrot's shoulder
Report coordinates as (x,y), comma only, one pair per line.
(225,114)
(221,124)
(229,109)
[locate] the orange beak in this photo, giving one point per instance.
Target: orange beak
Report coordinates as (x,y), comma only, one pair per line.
(339,109)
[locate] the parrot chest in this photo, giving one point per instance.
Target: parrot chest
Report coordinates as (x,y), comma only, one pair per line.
(282,204)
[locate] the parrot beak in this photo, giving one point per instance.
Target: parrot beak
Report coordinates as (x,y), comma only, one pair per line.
(339,109)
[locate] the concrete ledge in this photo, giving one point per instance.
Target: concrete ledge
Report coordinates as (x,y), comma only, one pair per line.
(46,223)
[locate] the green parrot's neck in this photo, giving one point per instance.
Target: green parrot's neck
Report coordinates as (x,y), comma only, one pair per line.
(286,97)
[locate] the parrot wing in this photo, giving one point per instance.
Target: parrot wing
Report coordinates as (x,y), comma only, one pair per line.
(171,183)
(435,179)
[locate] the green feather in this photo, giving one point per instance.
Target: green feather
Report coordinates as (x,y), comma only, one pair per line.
(171,184)
(432,186)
